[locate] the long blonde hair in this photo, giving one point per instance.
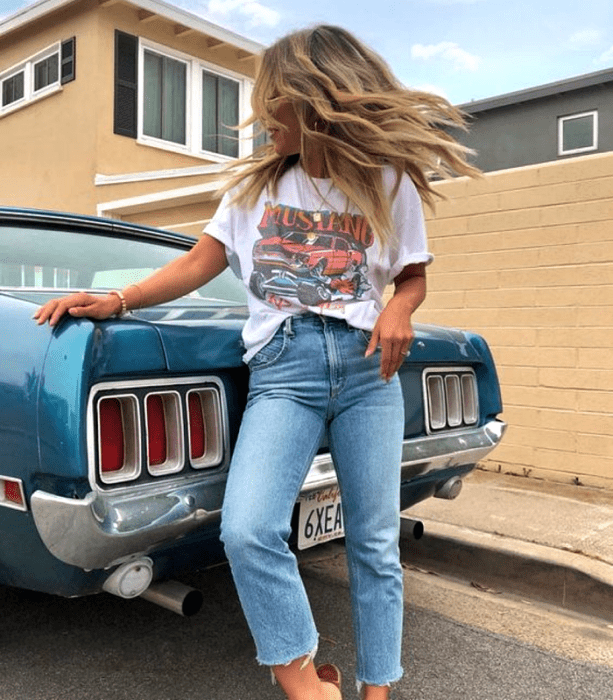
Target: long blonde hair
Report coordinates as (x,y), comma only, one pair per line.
(349,104)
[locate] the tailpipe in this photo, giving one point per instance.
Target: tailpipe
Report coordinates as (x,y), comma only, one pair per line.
(411,528)
(450,489)
(133,579)
(174,596)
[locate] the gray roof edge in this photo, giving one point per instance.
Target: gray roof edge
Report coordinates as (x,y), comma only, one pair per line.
(535,93)
(31,13)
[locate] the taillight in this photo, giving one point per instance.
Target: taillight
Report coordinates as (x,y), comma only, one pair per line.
(118,439)
(112,453)
(156,430)
(11,493)
(164,433)
(205,428)
(147,428)
(451,398)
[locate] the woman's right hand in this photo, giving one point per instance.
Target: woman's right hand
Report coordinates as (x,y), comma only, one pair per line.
(79,305)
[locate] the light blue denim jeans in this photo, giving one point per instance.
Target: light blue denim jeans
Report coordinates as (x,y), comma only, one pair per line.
(312,377)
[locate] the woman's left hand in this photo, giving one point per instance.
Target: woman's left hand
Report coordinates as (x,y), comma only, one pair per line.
(393,332)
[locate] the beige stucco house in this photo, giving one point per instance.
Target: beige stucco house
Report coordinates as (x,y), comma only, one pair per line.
(120,108)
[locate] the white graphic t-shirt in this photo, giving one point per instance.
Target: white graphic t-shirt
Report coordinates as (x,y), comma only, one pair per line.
(307,251)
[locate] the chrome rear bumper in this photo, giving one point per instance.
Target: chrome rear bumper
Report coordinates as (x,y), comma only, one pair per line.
(424,454)
(108,528)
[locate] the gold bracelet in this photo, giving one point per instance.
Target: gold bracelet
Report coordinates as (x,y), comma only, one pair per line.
(122,299)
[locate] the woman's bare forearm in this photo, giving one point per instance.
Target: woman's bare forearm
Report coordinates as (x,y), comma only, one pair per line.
(181,276)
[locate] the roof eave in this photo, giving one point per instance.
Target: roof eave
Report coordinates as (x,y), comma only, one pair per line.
(539,92)
(31,13)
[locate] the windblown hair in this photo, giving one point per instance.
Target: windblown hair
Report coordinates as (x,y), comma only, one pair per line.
(349,103)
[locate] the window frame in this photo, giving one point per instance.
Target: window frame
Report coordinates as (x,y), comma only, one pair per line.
(9,75)
(174,56)
(216,74)
(27,67)
(584,149)
(44,57)
(194,102)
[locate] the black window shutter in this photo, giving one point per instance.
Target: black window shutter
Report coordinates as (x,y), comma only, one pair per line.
(126,84)
(68,60)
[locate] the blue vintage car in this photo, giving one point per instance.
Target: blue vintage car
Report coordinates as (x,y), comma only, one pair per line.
(116,435)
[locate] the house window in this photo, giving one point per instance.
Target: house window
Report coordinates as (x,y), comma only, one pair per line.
(578,133)
(38,75)
(220,110)
(46,72)
(13,89)
(170,100)
(164,97)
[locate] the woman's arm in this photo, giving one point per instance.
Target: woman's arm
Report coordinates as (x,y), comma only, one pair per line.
(181,276)
(393,331)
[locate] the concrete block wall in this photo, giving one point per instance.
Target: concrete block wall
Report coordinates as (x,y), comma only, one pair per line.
(525,257)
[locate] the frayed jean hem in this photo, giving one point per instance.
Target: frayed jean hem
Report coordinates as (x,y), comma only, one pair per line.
(307,658)
(360,684)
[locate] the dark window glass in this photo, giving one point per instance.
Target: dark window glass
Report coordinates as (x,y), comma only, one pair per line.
(12,89)
(578,133)
(164,100)
(220,97)
(46,72)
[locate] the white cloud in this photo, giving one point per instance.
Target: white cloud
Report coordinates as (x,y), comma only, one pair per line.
(448,51)
(586,38)
(606,57)
(428,87)
(254,12)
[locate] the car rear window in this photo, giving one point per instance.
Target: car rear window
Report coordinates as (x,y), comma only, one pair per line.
(62,260)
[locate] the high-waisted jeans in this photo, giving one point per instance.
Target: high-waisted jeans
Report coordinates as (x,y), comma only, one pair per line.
(313,378)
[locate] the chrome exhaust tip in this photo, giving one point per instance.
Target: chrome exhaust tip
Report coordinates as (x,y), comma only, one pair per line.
(411,528)
(174,596)
(450,489)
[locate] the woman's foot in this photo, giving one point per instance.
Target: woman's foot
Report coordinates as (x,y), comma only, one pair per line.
(330,675)
(300,680)
(332,692)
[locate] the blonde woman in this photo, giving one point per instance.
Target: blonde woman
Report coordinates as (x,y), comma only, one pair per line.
(317,223)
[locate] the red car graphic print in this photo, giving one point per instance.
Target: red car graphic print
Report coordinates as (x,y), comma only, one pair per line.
(317,259)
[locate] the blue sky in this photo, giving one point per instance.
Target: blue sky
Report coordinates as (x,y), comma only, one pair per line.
(463,49)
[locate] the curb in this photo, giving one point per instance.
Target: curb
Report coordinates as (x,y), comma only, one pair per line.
(565,579)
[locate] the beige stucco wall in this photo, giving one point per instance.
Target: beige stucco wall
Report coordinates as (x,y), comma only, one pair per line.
(525,257)
(47,148)
(55,150)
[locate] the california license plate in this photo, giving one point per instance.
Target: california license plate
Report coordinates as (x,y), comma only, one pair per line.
(321,517)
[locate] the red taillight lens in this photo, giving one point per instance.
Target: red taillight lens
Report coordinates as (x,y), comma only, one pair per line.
(11,493)
(112,440)
(156,430)
(118,439)
(197,429)
(205,428)
(165,441)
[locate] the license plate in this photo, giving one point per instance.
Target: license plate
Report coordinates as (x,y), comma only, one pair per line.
(321,517)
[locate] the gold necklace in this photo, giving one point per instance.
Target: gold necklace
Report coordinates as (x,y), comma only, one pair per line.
(324,200)
(317,215)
